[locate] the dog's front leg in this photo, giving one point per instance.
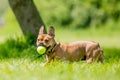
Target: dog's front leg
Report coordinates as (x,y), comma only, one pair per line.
(48,60)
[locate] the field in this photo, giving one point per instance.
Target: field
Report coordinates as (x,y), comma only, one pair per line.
(18,69)
(18,58)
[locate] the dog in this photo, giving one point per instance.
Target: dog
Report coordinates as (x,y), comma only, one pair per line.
(89,50)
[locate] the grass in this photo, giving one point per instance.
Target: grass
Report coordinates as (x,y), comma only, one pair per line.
(11,27)
(17,61)
(17,58)
(17,69)
(104,37)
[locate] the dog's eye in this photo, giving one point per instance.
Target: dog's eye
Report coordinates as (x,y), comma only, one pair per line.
(38,39)
(46,40)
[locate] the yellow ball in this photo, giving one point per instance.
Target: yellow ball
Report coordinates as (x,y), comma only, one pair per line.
(41,50)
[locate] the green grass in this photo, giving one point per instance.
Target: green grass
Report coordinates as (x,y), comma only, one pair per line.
(18,69)
(17,62)
(17,58)
(105,38)
(11,27)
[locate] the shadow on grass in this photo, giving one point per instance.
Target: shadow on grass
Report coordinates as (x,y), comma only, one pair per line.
(112,54)
(19,48)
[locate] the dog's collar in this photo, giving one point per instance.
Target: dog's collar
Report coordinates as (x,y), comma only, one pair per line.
(51,49)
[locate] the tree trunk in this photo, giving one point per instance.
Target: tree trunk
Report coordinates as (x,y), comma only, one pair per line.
(27,15)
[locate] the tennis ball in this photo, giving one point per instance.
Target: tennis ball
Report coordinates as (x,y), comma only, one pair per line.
(41,49)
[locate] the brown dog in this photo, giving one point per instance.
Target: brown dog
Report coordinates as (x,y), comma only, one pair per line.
(72,52)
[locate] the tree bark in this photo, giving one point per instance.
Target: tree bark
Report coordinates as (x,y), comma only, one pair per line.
(27,15)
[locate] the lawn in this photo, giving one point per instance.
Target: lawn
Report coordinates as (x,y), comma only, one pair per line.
(20,69)
(17,57)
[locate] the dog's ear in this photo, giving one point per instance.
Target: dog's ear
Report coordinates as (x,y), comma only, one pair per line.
(41,31)
(51,31)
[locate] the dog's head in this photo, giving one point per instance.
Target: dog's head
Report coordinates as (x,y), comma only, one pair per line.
(46,40)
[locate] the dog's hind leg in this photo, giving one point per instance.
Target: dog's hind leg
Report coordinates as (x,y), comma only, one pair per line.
(101,57)
(94,55)
(89,60)
(89,55)
(98,55)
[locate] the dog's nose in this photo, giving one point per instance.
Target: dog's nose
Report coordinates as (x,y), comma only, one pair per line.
(40,44)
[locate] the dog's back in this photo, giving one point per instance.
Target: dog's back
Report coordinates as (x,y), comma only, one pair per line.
(76,51)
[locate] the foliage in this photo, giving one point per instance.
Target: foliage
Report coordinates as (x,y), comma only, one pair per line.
(79,13)
(16,48)
(73,13)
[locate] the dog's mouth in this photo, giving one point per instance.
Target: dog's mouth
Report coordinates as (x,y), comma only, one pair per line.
(49,48)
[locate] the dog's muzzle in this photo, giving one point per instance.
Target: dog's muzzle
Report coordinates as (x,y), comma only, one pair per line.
(40,44)
(49,49)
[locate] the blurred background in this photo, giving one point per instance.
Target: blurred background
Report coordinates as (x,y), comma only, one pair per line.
(96,20)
